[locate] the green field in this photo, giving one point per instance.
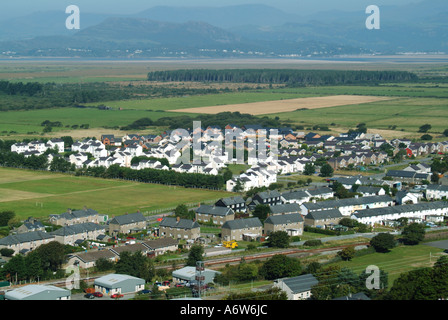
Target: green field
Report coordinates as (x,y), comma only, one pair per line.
(40,194)
(398,260)
(203,100)
(407,114)
(23,122)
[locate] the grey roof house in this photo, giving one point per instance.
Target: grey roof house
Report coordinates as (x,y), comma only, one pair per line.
(242,229)
(297,288)
(290,223)
(179,228)
(128,223)
(24,242)
(83,231)
(71,217)
(216,214)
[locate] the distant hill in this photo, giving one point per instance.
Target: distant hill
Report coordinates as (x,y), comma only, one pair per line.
(223,17)
(38,24)
(229,31)
(157,32)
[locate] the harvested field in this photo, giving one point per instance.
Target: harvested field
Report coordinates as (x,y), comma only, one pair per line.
(288,105)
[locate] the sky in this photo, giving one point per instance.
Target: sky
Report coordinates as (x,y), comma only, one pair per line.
(17,8)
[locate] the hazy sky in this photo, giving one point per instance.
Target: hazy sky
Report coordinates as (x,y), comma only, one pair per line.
(23,7)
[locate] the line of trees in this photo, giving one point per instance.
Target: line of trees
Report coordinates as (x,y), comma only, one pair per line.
(284,76)
(220,119)
(20,88)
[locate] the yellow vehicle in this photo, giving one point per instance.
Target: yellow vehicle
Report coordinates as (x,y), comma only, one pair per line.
(230,244)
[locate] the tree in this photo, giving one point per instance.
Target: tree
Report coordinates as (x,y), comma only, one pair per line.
(238,186)
(426,137)
(196,254)
(413,233)
(247,271)
(136,265)
(281,266)
(182,211)
(261,211)
(425,128)
(383,242)
(278,239)
(52,255)
(326,170)
(227,174)
(309,169)
(5,217)
(445,133)
(414,285)
(347,254)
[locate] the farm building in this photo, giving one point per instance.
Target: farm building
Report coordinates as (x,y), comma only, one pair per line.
(188,275)
(38,292)
(118,283)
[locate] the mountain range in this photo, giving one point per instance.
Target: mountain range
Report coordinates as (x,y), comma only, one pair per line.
(244,30)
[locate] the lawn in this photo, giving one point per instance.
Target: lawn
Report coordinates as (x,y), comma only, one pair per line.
(37,194)
(406,114)
(398,260)
(23,122)
(198,101)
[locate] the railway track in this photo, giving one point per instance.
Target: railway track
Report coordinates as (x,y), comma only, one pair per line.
(214,263)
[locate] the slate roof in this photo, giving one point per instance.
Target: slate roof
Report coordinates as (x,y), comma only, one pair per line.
(294,195)
(437,187)
(319,191)
(285,208)
(77,229)
(284,219)
(231,200)
(128,219)
(322,205)
(324,214)
(69,215)
(301,283)
(179,224)
(401,209)
(242,224)
(161,243)
(25,237)
(407,174)
(214,210)
(91,256)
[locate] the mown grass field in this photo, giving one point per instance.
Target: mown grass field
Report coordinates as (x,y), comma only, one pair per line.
(40,194)
(22,122)
(398,260)
(406,114)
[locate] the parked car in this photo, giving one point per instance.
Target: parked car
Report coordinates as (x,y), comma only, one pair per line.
(98,294)
(89,296)
(116,296)
(144,291)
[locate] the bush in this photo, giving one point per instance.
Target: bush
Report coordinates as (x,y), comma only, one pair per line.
(383,242)
(5,252)
(313,243)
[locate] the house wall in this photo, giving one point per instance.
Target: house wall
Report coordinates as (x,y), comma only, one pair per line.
(237,234)
(177,233)
(269,227)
